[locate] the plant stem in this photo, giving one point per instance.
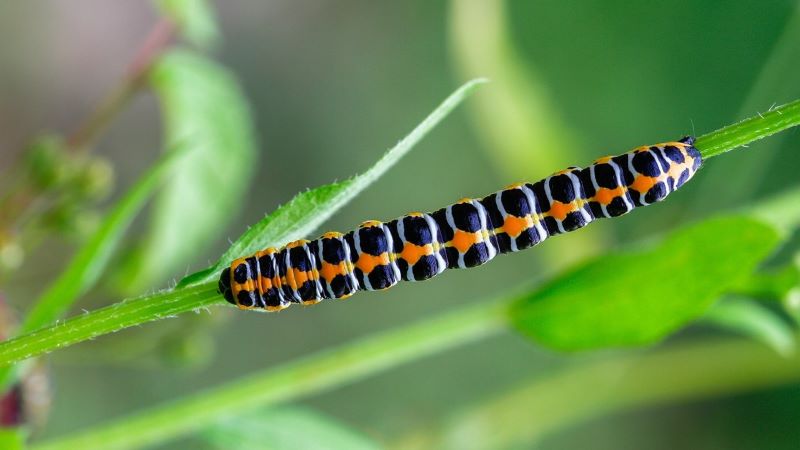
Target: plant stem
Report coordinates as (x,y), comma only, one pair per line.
(155,42)
(107,320)
(59,336)
(749,130)
(524,415)
(312,374)
(89,263)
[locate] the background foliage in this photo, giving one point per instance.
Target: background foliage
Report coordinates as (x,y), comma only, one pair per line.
(280,97)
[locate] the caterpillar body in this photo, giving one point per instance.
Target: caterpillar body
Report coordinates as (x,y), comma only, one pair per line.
(469,233)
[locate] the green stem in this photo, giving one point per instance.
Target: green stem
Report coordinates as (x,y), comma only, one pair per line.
(749,130)
(91,260)
(106,320)
(312,374)
(58,336)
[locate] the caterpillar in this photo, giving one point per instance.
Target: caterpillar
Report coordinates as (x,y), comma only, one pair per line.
(469,233)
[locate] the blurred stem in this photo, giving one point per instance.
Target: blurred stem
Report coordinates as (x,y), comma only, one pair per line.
(518,119)
(154,44)
(531,412)
(306,376)
(749,130)
(88,264)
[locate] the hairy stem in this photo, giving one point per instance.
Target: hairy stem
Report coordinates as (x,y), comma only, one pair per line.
(148,308)
(749,130)
(106,320)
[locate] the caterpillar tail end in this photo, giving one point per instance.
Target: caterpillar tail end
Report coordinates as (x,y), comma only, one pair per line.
(224,286)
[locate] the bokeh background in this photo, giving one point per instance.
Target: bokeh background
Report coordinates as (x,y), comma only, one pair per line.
(331,86)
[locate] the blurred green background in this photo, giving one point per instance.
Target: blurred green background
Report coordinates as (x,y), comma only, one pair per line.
(332,85)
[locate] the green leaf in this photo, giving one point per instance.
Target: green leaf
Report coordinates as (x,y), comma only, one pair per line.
(91,260)
(638,297)
(286,428)
(204,106)
(195,18)
(752,319)
(772,285)
(308,210)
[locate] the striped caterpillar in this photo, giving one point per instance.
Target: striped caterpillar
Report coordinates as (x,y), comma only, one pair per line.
(469,233)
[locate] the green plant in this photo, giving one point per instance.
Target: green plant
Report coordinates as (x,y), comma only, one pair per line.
(568,312)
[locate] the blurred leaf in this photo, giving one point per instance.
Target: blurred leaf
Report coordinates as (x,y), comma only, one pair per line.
(204,106)
(308,210)
(286,428)
(91,260)
(12,438)
(638,297)
(782,210)
(195,18)
(752,319)
(774,285)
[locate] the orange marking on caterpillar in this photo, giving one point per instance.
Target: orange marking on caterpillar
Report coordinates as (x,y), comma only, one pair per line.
(560,210)
(605,196)
(412,253)
(367,262)
(297,243)
(300,277)
(265,283)
(643,183)
(514,226)
(463,240)
(290,279)
(329,271)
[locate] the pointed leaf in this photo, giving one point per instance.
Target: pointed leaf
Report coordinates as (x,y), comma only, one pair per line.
(195,18)
(308,210)
(204,106)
